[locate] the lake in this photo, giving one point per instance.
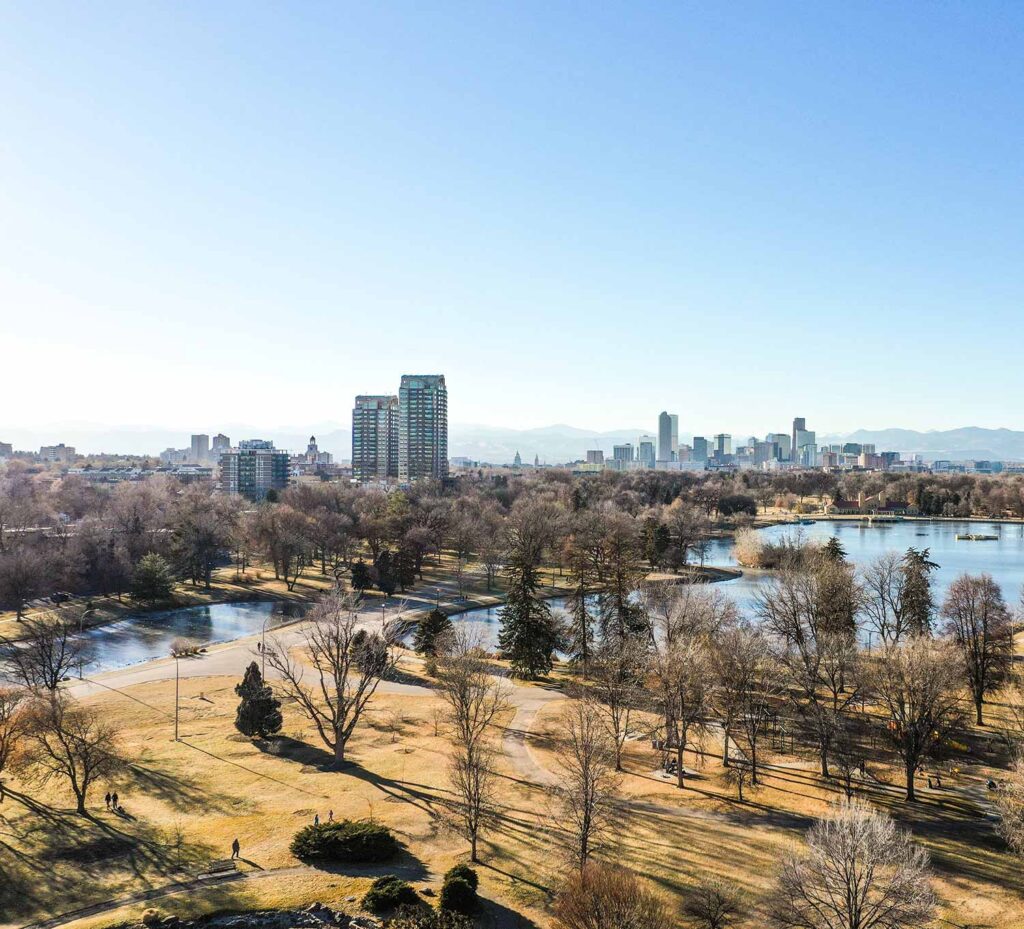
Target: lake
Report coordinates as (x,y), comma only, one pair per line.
(1003,558)
(145,636)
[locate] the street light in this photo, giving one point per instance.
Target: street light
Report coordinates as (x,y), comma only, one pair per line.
(176,691)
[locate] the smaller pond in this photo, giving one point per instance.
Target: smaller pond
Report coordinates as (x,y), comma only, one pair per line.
(145,636)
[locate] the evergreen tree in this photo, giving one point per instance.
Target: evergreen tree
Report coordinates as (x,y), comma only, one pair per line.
(429,630)
(918,604)
(384,569)
(152,580)
(833,551)
(259,712)
(529,634)
(361,579)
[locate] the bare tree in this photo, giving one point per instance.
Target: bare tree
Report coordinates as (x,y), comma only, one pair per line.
(712,904)
(475,697)
(349,664)
(746,681)
(683,682)
(608,897)
(859,872)
(71,743)
(979,623)
(916,684)
(13,727)
(887,612)
(817,654)
(618,671)
(48,651)
(585,794)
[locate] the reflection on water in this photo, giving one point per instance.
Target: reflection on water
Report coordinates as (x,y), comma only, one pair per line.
(1003,558)
(145,636)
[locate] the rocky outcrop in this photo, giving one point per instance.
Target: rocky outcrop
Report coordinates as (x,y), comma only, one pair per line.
(314,916)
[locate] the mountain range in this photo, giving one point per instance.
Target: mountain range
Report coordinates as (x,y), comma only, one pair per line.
(550,444)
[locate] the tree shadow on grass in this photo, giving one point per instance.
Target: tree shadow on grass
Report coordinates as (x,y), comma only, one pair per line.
(177,791)
(495,915)
(62,860)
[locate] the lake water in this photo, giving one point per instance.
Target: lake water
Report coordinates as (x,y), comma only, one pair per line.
(1003,558)
(145,636)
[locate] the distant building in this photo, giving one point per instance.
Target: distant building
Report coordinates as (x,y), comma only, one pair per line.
(422,427)
(700,448)
(517,462)
(665,437)
(221,443)
(622,452)
(595,456)
(723,445)
(645,450)
(6,449)
(253,469)
(64,454)
(375,438)
(799,425)
(878,504)
(200,448)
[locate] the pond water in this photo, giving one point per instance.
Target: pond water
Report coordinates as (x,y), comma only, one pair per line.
(1003,558)
(145,636)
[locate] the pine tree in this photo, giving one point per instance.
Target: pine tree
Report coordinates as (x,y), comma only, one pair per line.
(259,712)
(918,604)
(152,580)
(429,630)
(529,634)
(384,569)
(361,579)
(834,551)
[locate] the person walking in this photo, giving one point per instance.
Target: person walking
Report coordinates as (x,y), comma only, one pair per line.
(316,819)
(113,801)
(330,816)
(107,798)
(236,849)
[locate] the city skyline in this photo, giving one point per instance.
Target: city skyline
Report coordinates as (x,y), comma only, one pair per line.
(786,201)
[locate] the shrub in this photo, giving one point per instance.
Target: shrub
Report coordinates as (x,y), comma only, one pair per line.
(458,896)
(419,918)
(346,840)
(389,893)
(467,873)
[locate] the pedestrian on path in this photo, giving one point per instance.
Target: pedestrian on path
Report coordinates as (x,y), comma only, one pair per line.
(107,798)
(330,816)
(236,849)
(114,801)
(316,819)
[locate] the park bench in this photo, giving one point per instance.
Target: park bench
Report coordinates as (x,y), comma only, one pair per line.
(220,868)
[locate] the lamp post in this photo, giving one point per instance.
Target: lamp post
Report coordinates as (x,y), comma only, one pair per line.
(176,692)
(263,650)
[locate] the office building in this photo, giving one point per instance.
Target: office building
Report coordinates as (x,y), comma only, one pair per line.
(6,449)
(622,452)
(645,454)
(723,445)
(375,438)
(799,425)
(221,443)
(668,437)
(595,456)
(422,427)
(200,448)
(700,448)
(784,442)
(253,469)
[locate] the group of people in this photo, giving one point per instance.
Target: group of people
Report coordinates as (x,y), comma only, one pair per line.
(330,817)
(113,803)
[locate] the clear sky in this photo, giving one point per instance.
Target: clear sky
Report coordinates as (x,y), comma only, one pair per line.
(579,213)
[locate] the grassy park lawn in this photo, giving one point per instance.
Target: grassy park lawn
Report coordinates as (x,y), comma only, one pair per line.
(187,801)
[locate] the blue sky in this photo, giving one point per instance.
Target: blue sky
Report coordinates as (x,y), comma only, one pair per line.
(579,213)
